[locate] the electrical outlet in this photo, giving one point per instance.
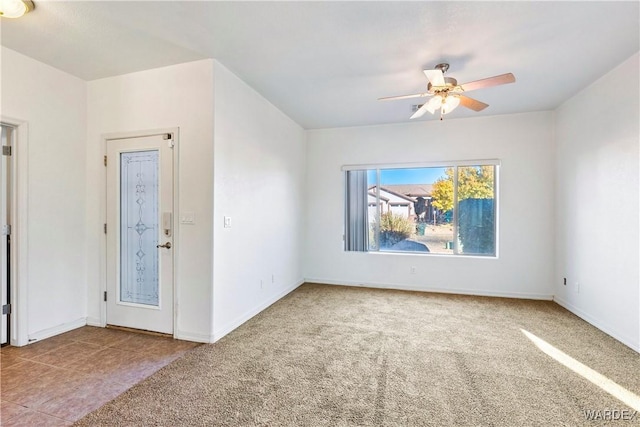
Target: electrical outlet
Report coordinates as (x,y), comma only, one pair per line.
(227,222)
(261,284)
(412,270)
(564,281)
(577,287)
(273,278)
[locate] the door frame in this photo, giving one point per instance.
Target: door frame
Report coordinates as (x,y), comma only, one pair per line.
(176,232)
(19,282)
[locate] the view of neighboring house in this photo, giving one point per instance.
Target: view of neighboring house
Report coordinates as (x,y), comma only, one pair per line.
(391,201)
(411,201)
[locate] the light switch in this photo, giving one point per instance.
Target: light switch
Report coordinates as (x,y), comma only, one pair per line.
(187,218)
(227,222)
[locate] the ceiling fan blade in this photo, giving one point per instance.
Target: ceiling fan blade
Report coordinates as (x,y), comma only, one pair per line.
(415,95)
(436,78)
(471,103)
(488,82)
(421,111)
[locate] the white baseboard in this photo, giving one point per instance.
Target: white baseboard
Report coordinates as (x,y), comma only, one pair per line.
(546,297)
(225,329)
(94,321)
(194,337)
(624,339)
(57,330)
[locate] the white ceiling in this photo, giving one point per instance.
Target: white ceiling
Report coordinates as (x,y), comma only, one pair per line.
(325,63)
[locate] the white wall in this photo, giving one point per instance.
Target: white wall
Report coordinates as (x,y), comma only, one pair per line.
(53,104)
(259,183)
(285,198)
(523,142)
(176,96)
(597,137)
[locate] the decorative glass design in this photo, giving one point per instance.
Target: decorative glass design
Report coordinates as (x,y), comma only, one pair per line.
(139,227)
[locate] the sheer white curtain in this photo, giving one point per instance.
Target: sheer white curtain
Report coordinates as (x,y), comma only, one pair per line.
(357,226)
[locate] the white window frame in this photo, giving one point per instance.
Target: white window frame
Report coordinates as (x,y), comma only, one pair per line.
(378,167)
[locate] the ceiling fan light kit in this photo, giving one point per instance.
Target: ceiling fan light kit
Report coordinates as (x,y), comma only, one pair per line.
(449,104)
(15,8)
(447,94)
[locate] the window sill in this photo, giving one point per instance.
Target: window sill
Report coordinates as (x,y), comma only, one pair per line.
(427,254)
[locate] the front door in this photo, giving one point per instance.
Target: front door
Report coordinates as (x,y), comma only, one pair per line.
(140,233)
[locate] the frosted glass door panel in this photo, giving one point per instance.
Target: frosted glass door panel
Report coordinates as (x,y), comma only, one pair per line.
(139,228)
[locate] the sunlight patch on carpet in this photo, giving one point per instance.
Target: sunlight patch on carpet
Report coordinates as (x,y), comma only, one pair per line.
(614,389)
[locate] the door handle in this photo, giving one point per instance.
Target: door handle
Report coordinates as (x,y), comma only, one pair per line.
(166,245)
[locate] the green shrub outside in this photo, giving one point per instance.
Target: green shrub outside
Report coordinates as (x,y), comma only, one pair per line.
(394,228)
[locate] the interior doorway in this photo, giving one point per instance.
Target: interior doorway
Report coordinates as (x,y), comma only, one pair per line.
(6,136)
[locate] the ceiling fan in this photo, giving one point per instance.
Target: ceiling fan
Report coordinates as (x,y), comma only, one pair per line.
(447,94)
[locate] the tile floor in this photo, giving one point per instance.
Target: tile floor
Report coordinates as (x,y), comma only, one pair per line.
(59,380)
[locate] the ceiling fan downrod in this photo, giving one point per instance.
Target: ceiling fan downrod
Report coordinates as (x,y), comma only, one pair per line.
(442,67)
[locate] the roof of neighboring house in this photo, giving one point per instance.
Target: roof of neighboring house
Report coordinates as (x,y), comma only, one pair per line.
(410,190)
(394,192)
(384,199)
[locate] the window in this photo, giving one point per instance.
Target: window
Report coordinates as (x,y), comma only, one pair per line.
(448,209)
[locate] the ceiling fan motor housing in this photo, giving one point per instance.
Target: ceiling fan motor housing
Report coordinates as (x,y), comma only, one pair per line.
(449,82)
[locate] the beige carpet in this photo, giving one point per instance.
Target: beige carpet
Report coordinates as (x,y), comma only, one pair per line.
(338,356)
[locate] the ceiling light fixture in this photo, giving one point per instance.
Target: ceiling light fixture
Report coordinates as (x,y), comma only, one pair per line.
(434,103)
(15,8)
(450,103)
(446,104)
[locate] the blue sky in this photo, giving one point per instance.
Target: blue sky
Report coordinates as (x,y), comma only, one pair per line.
(407,176)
